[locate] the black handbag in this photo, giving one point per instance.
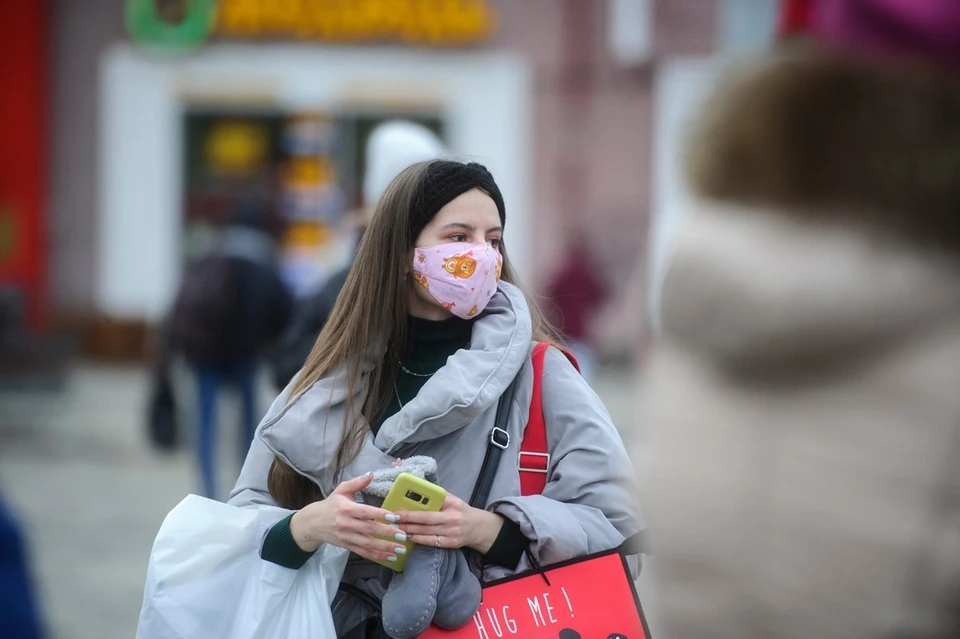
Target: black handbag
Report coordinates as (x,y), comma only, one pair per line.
(350,596)
(162,426)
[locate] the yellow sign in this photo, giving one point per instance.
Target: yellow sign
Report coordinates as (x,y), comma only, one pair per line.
(236,147)
(308,171)
(306,234)
(416,22)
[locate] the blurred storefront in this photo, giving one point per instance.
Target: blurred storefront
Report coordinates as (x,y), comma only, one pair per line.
(278,99)
(23,132)
(157,130)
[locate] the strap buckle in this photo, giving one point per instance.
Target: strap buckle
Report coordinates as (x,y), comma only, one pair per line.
(534,467)
(500,438)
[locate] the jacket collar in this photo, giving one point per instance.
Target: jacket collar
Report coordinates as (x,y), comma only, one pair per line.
(305,432)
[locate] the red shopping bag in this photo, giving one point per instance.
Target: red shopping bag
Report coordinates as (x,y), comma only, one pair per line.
(589,598)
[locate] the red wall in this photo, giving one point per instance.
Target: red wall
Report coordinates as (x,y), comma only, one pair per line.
(23,66)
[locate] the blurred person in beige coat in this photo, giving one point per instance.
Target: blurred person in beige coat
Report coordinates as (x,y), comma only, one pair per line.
(804,453)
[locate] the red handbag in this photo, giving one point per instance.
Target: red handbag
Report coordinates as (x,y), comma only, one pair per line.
(592,597)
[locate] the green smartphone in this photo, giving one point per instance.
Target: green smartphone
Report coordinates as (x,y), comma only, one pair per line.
(409,492)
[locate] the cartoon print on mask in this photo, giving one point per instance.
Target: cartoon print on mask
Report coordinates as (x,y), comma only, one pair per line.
(461,266)
(496,273)
(417,275)
(457,272)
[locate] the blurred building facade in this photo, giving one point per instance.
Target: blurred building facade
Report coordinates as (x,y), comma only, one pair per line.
(558,97)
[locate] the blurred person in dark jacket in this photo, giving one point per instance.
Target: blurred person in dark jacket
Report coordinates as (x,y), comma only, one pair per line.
(19,617)
(576,292)
(391,147)
(231,306)
(804,453)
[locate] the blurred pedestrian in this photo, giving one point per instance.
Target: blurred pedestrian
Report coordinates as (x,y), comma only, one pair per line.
(231,305)
(804,454)
(576,292)
(391,147)
(19,616)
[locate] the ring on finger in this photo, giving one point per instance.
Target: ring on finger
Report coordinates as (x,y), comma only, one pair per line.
(436,544)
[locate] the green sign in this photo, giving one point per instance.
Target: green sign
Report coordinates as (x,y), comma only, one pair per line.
(170,25)
(8,234)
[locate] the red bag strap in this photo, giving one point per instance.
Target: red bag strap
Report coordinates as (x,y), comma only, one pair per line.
(534,458)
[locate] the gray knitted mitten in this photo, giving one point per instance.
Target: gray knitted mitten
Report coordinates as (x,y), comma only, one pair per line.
(419,466)
(437,585)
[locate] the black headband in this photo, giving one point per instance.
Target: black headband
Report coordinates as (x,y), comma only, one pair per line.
(446,180)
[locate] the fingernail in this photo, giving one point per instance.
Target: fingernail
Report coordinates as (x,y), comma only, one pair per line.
(391,558)
(400,550)
(400,536)
(392,517)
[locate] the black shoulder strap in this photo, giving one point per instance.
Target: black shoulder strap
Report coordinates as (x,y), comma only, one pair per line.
(498,442)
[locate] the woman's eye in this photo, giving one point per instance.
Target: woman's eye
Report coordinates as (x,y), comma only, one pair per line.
(494,242)
(459,238)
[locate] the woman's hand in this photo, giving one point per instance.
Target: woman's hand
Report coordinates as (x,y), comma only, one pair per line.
(455,525)
(341,521)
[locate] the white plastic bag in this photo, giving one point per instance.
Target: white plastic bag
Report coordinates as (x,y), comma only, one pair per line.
(206,579)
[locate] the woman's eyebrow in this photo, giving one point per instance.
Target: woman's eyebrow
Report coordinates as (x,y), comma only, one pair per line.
(463,226)
(459,225)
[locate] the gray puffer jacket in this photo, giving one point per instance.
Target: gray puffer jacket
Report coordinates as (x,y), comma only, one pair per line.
(589,503)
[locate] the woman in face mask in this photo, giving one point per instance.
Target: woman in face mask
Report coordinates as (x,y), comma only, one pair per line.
(429,332)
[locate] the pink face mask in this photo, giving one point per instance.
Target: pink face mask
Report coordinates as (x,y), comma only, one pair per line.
(461,277)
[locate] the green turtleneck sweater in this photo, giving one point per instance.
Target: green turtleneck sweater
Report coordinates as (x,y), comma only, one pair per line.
(428,346)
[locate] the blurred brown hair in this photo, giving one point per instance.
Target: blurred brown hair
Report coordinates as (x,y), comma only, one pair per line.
(816,134)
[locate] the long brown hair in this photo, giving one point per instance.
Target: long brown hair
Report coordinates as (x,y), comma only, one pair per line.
(371,312)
